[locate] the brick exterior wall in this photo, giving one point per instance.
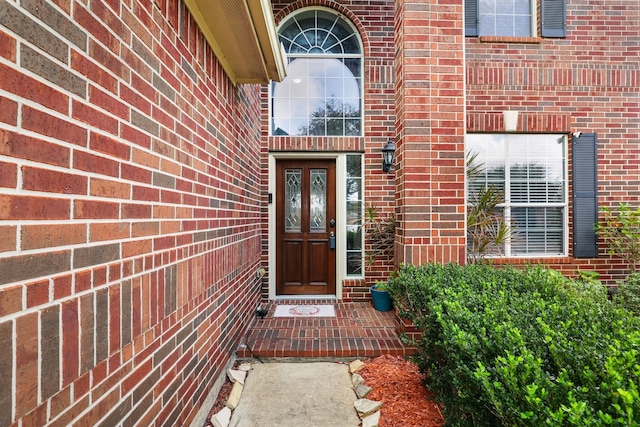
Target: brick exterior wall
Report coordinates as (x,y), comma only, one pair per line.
(588,82)
(435,85)
(375,23)
(430,124)
(130,234)
(134,177)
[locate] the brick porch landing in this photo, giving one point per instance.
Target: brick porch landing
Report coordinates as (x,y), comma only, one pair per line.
(357,330)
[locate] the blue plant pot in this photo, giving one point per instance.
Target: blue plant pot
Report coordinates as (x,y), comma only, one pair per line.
(381,300)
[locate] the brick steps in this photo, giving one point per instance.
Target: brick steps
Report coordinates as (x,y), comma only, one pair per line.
(358,330)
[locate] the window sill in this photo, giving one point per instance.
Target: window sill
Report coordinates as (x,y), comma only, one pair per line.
(509,39)
(550,259)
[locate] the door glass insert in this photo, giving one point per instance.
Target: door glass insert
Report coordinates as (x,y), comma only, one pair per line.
(318,200)
(293,200)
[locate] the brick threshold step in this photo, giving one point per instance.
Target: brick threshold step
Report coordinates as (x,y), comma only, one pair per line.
(322,349)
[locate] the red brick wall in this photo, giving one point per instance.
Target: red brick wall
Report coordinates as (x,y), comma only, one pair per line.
(374,21)
(430,124)
(588,82)
(130,234)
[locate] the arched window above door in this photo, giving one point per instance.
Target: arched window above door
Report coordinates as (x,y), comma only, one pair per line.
(322,93)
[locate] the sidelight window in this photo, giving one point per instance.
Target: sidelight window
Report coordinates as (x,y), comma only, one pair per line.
(354,230)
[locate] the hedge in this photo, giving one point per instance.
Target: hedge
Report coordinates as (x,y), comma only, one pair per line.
(521,347)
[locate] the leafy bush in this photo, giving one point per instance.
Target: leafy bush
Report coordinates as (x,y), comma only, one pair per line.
(586,285)
(629,293)
(621,231)
(522,347)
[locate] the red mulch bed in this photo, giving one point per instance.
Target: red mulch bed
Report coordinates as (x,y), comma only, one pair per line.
(396,382)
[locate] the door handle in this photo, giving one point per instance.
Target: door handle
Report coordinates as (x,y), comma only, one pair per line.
(332,240)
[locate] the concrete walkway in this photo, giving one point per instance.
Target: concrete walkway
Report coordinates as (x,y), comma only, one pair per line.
(315,394)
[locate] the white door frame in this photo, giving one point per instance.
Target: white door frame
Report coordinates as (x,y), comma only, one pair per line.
(341,209)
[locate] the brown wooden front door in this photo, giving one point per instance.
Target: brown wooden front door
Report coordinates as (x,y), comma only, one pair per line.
(305,215)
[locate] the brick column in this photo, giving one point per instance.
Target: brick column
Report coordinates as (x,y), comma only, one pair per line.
(430,123)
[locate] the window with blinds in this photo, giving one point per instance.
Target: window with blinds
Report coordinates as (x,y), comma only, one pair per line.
(530,170)
(515,18)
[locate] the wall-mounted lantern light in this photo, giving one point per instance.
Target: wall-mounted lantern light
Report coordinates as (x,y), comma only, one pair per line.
(388,153)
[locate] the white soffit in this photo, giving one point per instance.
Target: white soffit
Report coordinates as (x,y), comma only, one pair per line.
(243,36)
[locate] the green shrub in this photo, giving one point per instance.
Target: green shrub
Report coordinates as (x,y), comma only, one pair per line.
(587,285)
(629,293)
(521,347)
(621,231)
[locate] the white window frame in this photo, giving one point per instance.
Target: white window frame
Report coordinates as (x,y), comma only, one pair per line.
(534,22)
(508,204)
(360,56)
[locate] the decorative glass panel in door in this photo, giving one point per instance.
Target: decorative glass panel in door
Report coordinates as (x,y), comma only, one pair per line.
(293,199)
(318,200)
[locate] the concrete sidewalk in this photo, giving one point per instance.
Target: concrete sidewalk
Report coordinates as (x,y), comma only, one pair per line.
(314,394)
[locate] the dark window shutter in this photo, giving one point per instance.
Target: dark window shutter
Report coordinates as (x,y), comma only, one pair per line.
(585,195)
(471,18)
(554,18)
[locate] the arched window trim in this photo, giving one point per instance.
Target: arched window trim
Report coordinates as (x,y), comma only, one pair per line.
(354,30)
(340,17)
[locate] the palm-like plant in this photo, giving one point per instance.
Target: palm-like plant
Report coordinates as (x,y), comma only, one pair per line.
(381,234)
(487,230)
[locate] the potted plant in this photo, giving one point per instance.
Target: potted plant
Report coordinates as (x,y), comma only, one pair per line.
(380,297)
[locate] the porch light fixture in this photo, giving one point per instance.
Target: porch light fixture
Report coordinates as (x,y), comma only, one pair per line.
(388,153)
